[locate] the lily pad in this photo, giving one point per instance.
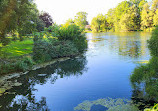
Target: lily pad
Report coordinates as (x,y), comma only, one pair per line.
(2,90)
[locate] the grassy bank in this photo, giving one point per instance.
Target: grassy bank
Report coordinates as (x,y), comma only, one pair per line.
(16,49)
(19,57)
(55,42)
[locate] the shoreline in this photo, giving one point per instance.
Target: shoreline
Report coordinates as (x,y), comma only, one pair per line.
(35,67)
(5,80)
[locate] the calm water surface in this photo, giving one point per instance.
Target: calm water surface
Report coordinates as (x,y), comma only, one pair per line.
(102,72)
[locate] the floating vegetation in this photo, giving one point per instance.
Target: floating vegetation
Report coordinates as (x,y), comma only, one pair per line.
(155,108)
(6,85)
(2,90)
(108,104)
(142,62)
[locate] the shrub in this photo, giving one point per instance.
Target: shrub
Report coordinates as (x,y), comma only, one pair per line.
(46,50)
(74,34)
(23,64)
(153,42)
(38,36)
(54,30)
(14,37)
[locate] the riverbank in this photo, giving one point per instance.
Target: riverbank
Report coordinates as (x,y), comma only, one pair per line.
(5,80)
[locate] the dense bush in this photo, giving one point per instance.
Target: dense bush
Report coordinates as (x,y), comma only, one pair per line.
(38,36)
(153,43)
(57,42)
(23,64)
(53,30)
(46,50)
(74,34)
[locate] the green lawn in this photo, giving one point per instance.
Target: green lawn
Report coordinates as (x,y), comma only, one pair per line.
(17,48)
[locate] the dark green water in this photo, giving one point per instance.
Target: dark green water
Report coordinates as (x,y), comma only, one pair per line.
(102,72)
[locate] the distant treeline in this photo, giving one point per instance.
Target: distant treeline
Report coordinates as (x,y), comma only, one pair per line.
(132,15)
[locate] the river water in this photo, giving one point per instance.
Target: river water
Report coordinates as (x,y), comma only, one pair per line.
(102,72)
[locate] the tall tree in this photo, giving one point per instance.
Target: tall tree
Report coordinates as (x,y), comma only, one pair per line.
(46,18)
(26,13)
(154,5)
(146,17)
(7,12)
(155,18)
(120,10)
(17,16)
(99,23)
(110,18)
(69,22)
(81,19)
(129,21)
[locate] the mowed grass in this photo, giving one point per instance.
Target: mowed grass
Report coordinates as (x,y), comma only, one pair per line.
(17,48)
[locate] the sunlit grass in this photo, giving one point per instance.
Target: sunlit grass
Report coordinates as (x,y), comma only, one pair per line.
(17,48)
(143,61)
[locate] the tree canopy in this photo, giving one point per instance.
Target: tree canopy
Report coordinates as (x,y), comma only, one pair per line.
(81,19)
(20,16)
(130,15)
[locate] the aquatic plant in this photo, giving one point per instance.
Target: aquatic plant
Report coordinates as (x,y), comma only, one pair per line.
(155,108)
(109,103)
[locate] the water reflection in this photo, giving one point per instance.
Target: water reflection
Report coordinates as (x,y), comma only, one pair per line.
(22,97)
(145,84)
(129,44)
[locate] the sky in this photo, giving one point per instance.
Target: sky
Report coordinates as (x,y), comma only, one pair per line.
(62,10)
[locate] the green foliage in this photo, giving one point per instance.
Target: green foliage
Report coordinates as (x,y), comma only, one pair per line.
(53,30)
(38,36)
(128,20)
(129,15)
(74,34)
(147,74)
(69,22)
(153,43)
(81,19)
(46,50)
(18,16)
(110,18)
(25,64)
(14,37)
(22,64)
(146,16)
(99,23)
(155,18)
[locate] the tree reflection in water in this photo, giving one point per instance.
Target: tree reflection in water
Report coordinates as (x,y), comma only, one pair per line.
(127,44)
(22,97)
(145,84)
